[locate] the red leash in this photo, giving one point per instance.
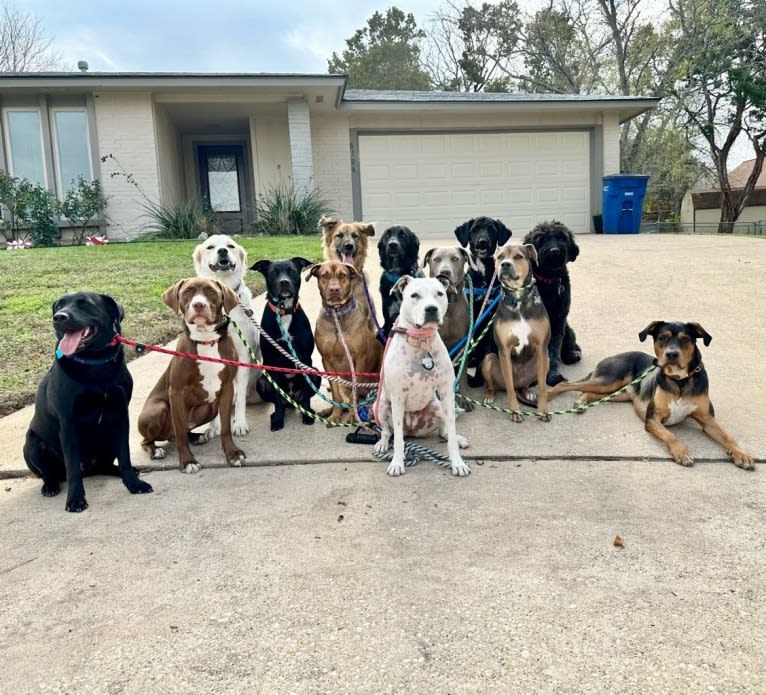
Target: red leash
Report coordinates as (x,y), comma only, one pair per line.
(140,347)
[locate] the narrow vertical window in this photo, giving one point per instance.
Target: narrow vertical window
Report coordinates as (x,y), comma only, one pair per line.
(24,144)
(71,148)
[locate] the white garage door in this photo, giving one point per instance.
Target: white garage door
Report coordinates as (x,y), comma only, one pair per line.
(434,182)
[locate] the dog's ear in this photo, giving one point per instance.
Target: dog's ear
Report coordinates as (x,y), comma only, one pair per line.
(172,295)
(427,257)
(463,232)
(451,289)
(531,252)
(465,255)
(242,253)
(115,310)
(699,332)
(300,262)
(197,257)
(230,297)
(261,266)
(326,225)
(313,271)
(502,232)
(574,249)
(367,228)
(400,284)
(652,329)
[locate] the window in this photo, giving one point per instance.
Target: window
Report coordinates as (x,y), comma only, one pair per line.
(71,147)
(24,144)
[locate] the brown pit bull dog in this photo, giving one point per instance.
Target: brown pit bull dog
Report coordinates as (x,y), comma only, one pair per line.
(191,392)
(522,332)
(449,262)
(677,389)
(338,284)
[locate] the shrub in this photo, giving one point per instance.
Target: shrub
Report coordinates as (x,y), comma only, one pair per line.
(283,210)
(42,211)
(31,208)
(83,203)
(185,220)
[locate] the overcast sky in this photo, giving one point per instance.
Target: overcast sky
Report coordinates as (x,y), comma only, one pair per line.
(295,36)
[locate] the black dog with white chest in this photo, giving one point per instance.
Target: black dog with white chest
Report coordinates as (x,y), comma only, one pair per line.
(80,424)
(398,249)
(283,282)
(482,236)
(556,247)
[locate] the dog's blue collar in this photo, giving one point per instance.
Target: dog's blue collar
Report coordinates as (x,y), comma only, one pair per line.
(391,277)
(342,312)
(481,292)
(88,361)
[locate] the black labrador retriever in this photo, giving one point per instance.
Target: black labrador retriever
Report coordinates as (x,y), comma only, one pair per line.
(398,249)
(80,423)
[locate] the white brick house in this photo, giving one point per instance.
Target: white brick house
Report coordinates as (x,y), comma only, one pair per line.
(426,159)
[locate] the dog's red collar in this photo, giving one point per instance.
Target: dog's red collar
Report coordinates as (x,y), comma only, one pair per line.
(419,338)
(281,310)
(546,280)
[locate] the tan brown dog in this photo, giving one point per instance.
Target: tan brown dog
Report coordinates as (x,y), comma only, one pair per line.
(449,262)
(677,389)
(522,332)
(190,392)
(348,242)
(338,285)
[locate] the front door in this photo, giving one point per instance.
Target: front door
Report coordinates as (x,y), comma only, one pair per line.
(222,184)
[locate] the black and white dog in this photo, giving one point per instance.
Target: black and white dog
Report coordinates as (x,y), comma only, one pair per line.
(80,424)
(283,282)
(482,236)
(398,249)
(556,247)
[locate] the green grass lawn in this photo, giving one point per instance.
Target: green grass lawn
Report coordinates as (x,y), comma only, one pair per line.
(135,274)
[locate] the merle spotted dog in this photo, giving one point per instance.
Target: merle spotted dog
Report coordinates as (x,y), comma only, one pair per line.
(556,247)
(482,236)
(283,282)
(398,249)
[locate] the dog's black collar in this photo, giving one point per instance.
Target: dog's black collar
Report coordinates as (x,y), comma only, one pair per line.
(95,361)
(677,379)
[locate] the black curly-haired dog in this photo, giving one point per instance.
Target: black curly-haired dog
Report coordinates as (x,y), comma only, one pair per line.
(556,247)
(398,249)
(481,236)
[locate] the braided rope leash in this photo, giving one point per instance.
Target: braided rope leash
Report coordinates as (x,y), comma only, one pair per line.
(574,409)
(414,453)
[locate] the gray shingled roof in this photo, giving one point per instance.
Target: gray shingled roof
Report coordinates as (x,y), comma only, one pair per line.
(383,95)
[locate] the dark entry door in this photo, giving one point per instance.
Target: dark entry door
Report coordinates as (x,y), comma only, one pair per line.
(222,184)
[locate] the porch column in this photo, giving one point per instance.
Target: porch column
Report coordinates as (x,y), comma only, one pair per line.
(299,124)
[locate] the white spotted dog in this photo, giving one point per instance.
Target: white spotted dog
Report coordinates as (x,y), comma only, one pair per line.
(416,366)
(221,258)
(190,392)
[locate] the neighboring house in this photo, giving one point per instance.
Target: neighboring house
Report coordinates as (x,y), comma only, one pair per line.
(429,160)
(701,209)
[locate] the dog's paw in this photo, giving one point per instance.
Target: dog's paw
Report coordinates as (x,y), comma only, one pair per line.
(395,468)
(76,504)
(474,380)
(380,447)
(191,467)
(212,431)
(462,441)
(460,468)
(158,453)
(277,422)
(516,417)
(554,378)
(240,429)
(307,419)
(50,488)
(544,417)
(200,438)
(742,459)
(681,455)
(236,458)
(138,487)
(571,356)
(489,400)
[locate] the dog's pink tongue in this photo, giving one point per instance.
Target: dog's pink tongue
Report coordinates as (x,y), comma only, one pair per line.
(348,258)
(70,341)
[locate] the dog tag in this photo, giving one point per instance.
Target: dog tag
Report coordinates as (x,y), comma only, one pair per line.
(427,362)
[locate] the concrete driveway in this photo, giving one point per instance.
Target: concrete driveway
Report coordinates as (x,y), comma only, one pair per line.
(313,572)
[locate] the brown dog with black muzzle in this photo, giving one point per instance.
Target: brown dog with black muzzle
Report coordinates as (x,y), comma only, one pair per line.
(338,284)
(191,392)
(677,389)
(522,332)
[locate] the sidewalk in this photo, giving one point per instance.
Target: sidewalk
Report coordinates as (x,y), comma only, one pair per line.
(334,578)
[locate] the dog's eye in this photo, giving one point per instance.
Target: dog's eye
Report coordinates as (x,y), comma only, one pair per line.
(683,340)
(440,293)
(415,295)
(211,247)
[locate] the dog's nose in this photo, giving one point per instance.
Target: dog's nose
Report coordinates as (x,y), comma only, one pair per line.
(285,284)
(671,354)
(60,316)
(348,247)
(431,313)
(198,306)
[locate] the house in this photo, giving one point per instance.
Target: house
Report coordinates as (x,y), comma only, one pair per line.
(426,159)
(701,209)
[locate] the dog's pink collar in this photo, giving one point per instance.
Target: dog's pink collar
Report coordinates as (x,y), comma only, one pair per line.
(419,338)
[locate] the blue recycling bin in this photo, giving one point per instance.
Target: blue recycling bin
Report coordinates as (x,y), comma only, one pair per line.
(623,202)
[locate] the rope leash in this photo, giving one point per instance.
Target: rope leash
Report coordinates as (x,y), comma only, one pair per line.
(414,453)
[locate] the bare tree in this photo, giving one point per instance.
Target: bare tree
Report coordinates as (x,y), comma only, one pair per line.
(24,44)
